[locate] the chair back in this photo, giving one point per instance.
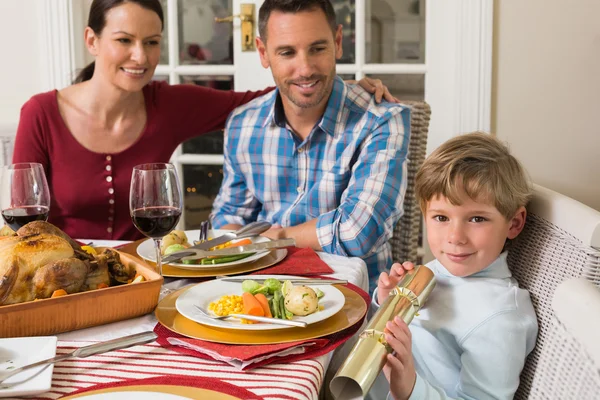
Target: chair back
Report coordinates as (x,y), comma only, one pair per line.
(405,238)
(561,240)
(569,366)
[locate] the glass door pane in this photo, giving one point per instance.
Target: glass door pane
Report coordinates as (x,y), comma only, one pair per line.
(395,31)
(201,185)
(164,43)
(404,86)
(345,13)
(201,39)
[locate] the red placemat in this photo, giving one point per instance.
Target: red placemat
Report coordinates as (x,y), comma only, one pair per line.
(213,384)
(298,262)
(247,357)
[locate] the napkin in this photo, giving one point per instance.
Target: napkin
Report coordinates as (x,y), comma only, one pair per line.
(298,262)
(246,357)
(242,357)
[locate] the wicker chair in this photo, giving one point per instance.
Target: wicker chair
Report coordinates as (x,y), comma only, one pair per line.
(405,239)
(569,366)
(561,240)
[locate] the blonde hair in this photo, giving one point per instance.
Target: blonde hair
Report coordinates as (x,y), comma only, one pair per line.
(478,165)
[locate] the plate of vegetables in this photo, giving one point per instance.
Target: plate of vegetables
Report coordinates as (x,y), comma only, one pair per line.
(269,295)
(180,240)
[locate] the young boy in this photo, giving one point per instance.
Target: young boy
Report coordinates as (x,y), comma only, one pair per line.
(472,336)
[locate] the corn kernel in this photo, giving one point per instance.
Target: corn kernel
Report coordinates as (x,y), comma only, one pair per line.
(229,304)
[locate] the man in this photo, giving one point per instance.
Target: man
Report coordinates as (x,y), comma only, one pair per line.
(316,157)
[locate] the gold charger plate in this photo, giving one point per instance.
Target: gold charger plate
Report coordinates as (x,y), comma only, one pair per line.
(173,272)
(352,312)
(187,392)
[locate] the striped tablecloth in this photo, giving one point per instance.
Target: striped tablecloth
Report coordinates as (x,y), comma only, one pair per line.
(296,380)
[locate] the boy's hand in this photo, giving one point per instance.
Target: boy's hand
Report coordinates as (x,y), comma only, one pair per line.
(400,365)
(387,282)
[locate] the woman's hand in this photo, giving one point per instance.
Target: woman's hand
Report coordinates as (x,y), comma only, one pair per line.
(387,282)
(376,87)
(400,367)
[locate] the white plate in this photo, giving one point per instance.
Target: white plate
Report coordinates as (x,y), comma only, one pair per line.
(206,292)
(16,352)
(147,252)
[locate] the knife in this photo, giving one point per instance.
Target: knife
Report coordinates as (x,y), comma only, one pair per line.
(195,254)
(250,230)
(98,348)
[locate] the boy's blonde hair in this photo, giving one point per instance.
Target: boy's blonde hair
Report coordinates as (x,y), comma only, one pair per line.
(478,165)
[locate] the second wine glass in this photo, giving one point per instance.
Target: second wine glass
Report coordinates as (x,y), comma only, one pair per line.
(155,202)
(25,195)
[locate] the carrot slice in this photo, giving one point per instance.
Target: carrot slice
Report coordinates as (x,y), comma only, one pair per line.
(264,302)
(229,245)
(58,293)
(242,242)
(252,305)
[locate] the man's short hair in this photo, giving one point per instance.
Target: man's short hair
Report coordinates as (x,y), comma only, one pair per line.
(293,6)
(478,165)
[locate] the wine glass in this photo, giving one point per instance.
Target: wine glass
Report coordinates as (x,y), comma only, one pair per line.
(25,195)
(155,202)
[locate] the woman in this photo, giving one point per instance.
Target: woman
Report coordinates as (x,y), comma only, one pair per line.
(90,135)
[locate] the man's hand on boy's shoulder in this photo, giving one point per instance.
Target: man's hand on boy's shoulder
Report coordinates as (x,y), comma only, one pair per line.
(387,282)
(400,367)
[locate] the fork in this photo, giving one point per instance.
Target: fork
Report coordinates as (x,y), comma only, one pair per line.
(300,324)
(203,235)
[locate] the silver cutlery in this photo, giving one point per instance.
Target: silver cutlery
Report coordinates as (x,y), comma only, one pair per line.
(287,322)
(295,281)
(86,351)
(195,254)
(250,230)
(203,235)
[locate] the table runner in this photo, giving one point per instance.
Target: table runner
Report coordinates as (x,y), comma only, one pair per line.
(172,384)
(296,380)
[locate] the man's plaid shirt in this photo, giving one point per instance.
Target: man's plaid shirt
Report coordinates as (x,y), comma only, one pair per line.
(349,173)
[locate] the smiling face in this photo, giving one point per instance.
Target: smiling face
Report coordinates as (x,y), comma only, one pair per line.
(301,51)
(467,238)
(127,50)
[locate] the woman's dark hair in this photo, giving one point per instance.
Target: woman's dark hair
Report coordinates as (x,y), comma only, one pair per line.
(97,22)
(293,6)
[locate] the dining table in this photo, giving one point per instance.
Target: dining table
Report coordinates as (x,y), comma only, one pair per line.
(155,365)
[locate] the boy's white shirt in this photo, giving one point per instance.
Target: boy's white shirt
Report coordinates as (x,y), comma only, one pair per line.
(471,338)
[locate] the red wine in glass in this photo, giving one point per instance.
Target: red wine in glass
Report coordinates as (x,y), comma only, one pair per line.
(156,222)
(18,217)
(155,202)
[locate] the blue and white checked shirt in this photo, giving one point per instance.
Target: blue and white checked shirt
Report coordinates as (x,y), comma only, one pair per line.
(349,173)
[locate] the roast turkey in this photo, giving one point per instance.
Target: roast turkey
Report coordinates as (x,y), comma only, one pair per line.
(42,259)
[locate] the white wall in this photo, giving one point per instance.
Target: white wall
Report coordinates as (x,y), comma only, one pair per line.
(22,71)
(546,102)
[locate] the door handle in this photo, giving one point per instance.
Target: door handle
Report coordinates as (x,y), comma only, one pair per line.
(246,16)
